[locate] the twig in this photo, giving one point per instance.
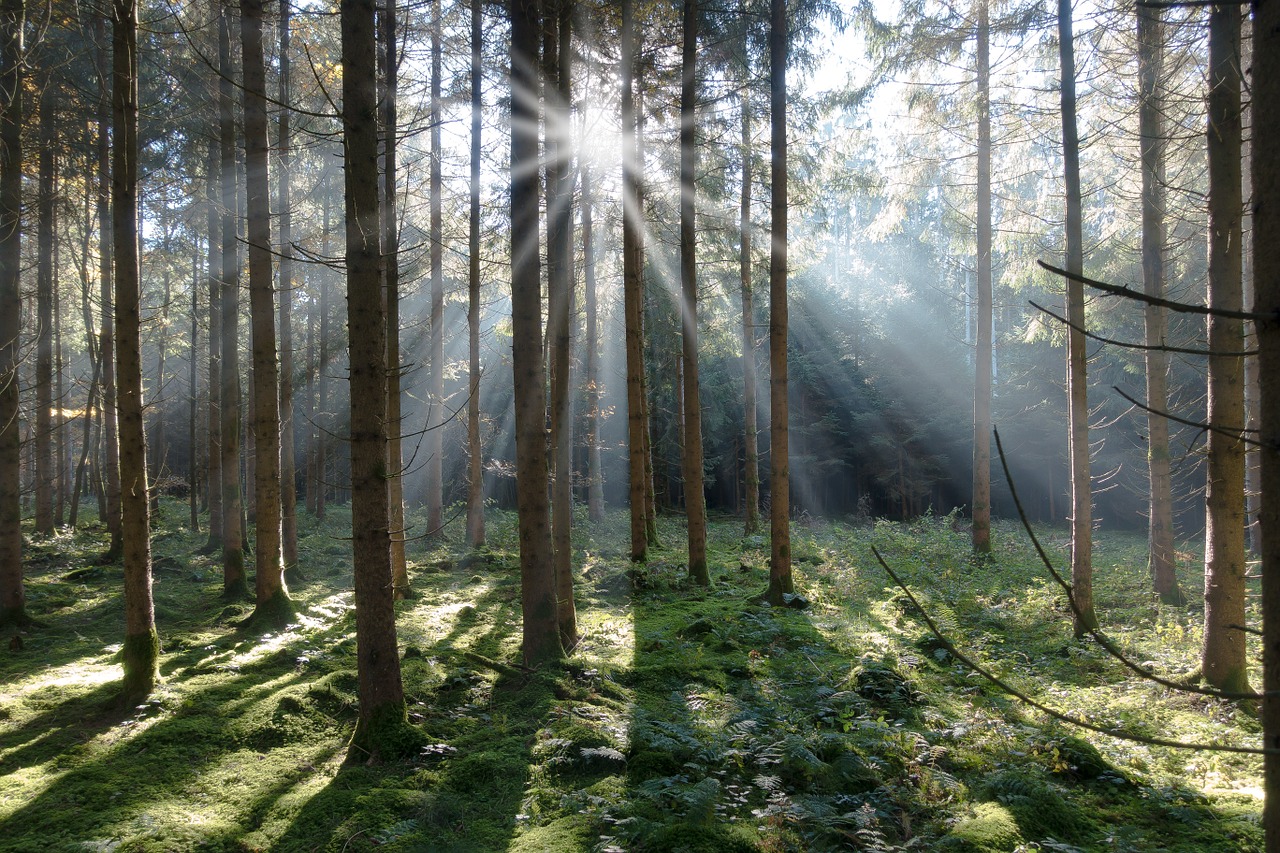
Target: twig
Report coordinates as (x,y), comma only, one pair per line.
(1131,345)
(1130,293)
(1229,433)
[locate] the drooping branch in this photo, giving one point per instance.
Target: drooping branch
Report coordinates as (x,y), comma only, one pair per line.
(1206,427)
(1132,345)
(1139,296)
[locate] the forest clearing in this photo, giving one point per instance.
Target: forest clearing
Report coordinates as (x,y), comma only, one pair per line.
(687,718)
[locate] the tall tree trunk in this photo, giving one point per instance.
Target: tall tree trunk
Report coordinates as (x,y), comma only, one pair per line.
(382,706)
(324,422)
(541,636)
(44,319)
(1265,167)
(288,474)
(272,598)
(234,582)
(13,597)
(475,452)
(435,387)
(61,442)
(750,432)
(213,481)
(982,353)
(780,582)
(141,645)
(1160,506)
(1223,656)
(632,224)
(110,449)
(595,470)
(158,446)
(694,501)
(1077,389)
(391,272)
(193,399)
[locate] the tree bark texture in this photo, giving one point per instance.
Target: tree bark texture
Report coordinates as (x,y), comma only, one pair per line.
(288,474)
(632,284)
(475,451)
(44,319)
(110,451)
(982,377)
(213,181)
(435,382)
(750,432)
(13,599)
(595,469)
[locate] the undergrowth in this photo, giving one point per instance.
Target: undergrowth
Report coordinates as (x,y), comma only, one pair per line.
(687,719)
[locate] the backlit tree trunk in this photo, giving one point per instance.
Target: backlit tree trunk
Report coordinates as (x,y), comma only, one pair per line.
(435,385)
(110,450)
(288,474)
(750,433)
(982,351)
(13,598)
(632,218)
(1223,655)
(44,320)
(475,452)
(213,180)
(595,470)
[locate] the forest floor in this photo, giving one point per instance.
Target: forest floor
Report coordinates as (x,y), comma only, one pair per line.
(686,720)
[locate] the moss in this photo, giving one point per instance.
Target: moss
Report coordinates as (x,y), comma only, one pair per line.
(384,734)
(272,614)
(564,834)
(686,838)
(140,656)
(992,829)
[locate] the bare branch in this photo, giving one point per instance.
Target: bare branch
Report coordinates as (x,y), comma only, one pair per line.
(1181,307)
(1226,431)
(1129,345)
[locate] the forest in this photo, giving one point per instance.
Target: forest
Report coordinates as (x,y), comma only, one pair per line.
(564,425)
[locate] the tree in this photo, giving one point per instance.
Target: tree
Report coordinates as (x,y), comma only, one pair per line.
(475,452)
(694,500)
(382,708)
(1160,504)
(288,476)
(1083,616)
(272,597)
(141,651)
(981,507)
(13,598)
(213,225)
(1223,657)
(435,382)
(106,340)
(541,635)
(44,318)
(632,285)
(780,581)
(595,470)
(750,438)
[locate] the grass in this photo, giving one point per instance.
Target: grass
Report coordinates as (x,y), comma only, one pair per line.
(686,720)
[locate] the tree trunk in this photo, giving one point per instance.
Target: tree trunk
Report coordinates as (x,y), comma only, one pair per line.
(632,287)
(324,420)
(1083,618)
(694,500)
(234,583)
(288,474)
(13,598)
(780,582)
(213,167)
(141,645)
(272,598)
(1160,506)
(382,706)
(982,354)
(541,636)
(475,452)
(158,447)
(595,470)
(44,320)
(193,399)
(110,450)
(435,387)
(1223,657)
(750,432)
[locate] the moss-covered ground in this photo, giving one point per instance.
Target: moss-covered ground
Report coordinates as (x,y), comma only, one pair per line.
(686,720)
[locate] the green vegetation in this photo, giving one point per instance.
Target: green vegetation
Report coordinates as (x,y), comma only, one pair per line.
(688,719)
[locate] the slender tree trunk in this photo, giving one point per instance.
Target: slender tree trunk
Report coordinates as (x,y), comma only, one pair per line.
(324,421)
(158,447)
(110,449)
(382,706)
(391,271)
(780,582)
(694,501)
(13,597)
(61,442)
(632,223)
(1223,657)
(982,354)
(214,277)
(310,411)
(141,644)
(193,399)
(1160,507)
(751,443)
(1265,167)
(1077,388)
(595,470)
(541,636)
(435,388)
(44,320)
(272,597)
(475,452)
(234,582)
(646,416)
(288,472)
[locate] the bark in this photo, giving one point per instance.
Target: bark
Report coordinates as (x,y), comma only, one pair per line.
(475,453)
(158,445)
(541,637)
(141,645)
(1160,506)
(193,399)
(13,598)
(982,353)
(234,583)
(288,474)
(780,582)
(61,444)
(435,384)
(694,500)
(1077,391)
(325,422)
(632,288)
(110,450)
(382,715)
(214,276)
(272,597)
(750,433)
(391,274)
(1223,657)
(44,320)
(595,470)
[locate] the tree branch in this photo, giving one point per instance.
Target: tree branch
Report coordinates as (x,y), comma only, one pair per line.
(1229,433)
(1128,345)
(1130,293)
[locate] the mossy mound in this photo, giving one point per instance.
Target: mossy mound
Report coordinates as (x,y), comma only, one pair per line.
(992,829)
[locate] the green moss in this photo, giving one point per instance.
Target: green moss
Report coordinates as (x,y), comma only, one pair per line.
(686,838)
(567,834)
(384,734)
(272,614)
(992,829)
(141,658)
